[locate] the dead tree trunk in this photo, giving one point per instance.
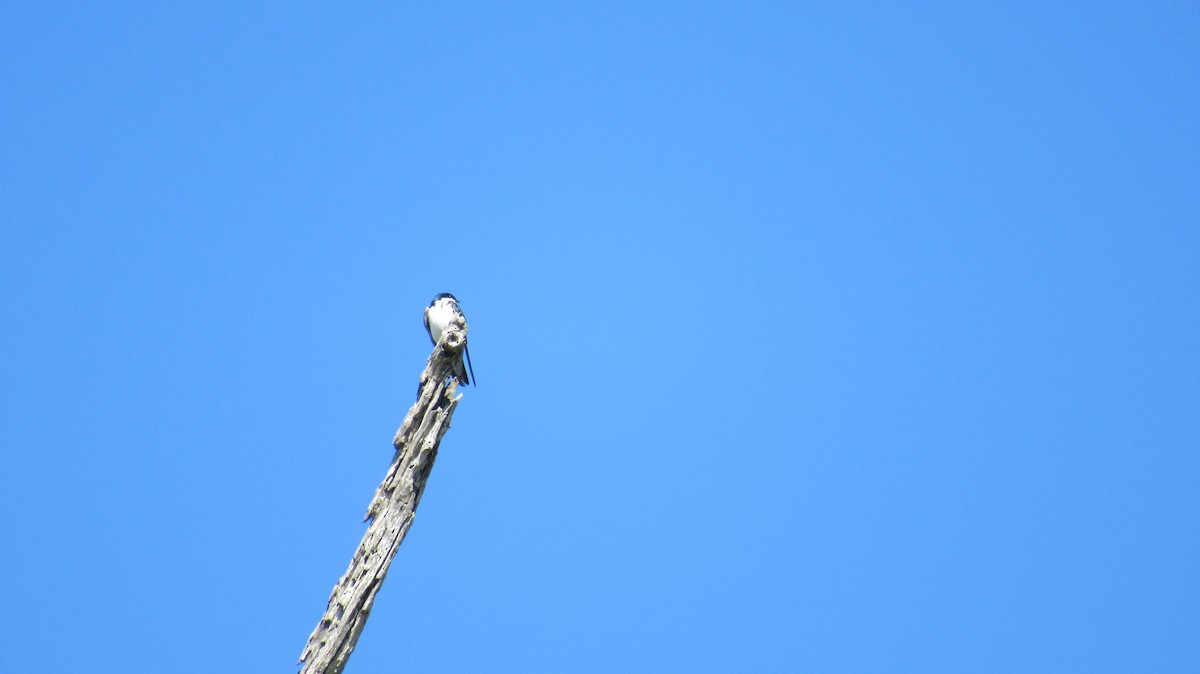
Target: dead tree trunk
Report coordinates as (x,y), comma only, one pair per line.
(391,511)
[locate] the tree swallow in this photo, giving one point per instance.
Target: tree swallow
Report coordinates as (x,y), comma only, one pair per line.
(440,313)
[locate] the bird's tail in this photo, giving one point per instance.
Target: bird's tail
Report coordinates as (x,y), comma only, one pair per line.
(467,355)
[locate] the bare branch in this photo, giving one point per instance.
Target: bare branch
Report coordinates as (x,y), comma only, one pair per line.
(391,510)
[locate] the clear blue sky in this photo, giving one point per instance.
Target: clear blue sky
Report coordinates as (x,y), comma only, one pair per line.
(823,337)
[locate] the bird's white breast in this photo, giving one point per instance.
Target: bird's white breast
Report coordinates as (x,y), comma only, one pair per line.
(440,315)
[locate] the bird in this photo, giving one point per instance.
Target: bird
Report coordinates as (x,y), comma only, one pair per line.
(440,313)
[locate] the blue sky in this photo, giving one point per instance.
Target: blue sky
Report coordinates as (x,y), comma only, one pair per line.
(823,337)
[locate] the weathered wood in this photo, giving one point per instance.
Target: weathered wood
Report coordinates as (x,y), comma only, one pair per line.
(391,511)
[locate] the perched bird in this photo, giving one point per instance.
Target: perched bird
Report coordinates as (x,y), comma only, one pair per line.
(440,313)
